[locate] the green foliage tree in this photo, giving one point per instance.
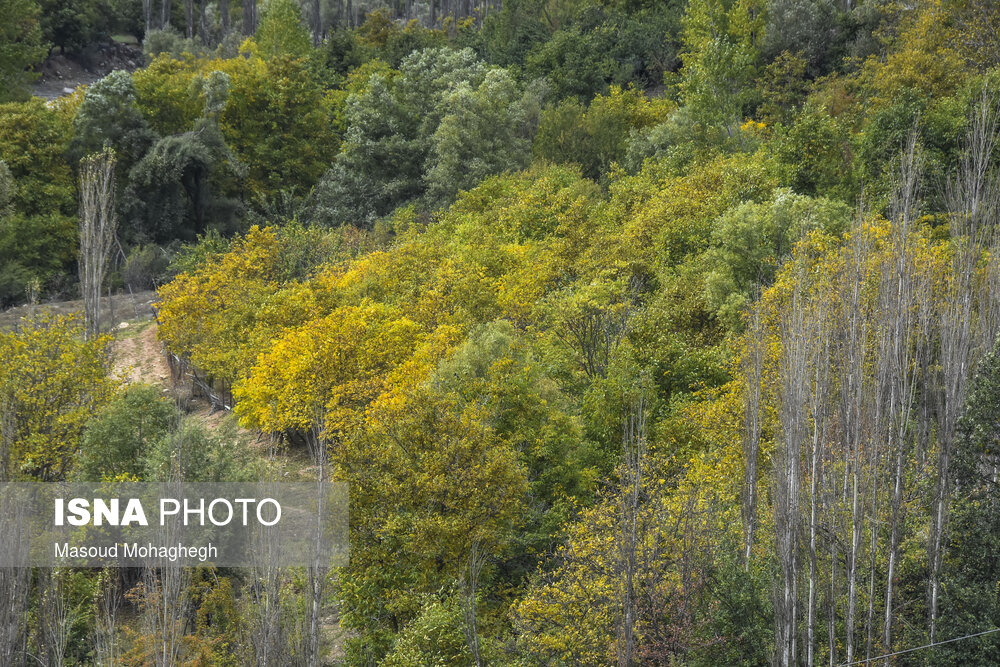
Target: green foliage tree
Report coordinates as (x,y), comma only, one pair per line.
(174,188)
(486,131)
(109,116)
(70,24)
(816,152)
(282,32)
(807,27)
(119,435)
(596,136)
(605,46)
(442,122)
(510,34)
(721,54)
(193,453)
(21,46)
(750,242)
(971,570)
(281,123)
(457,486)
(382,38)
(435,637)
(37,232)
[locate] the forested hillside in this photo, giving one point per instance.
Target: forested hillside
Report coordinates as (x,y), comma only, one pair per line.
(644,331)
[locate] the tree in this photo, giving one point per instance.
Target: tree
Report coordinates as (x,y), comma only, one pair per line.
(751,241)
(970,602)
(69,24)
(721,51)
(249,16)
(390,125)
(487,131)
(38,234)
(597,136)
(51,381)
(806,27)
(21,46)
(98,226)
(118,436)
(324,373)
(174,186)
(282,31)
(456,485)
(509,34)
(280,121)
(109,116)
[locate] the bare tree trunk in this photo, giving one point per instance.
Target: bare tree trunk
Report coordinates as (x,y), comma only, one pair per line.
(973,199)
(853,392)
(106,619)
(147,15)
(793,378)
(753,368)
(317,572)
(471,592)
(634,444)
(54,617)
(901,298)
(15,582)
(165,14)
(820,361)
(268,636)
(249,17)
(317,23)
(224,17)
(97,231)
(189,18)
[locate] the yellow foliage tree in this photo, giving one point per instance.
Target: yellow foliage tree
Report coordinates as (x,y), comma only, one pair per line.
(51,382)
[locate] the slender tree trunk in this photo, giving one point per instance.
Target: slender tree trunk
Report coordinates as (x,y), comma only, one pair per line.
(634,443)
(106,619)
(965,322)
(792,406)
(751,444)
(189,18)
(97,231)
(853,398)
(820,339)
(901,297)
(471,591)
(147,15)
(224,17)
(249,17)
(317,23)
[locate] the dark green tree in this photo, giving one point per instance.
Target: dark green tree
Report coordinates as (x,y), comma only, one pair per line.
(971,577)
(175,189)
(71,24)
(21,46)
(391,128)
(117,436)
(109,116)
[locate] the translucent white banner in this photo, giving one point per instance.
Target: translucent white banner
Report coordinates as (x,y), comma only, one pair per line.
(128,524)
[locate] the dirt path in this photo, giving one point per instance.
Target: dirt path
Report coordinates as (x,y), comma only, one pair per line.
(139,357)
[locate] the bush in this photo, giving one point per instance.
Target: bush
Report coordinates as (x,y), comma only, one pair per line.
(171,42)
(193,453)
(117,436)
(146,267)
